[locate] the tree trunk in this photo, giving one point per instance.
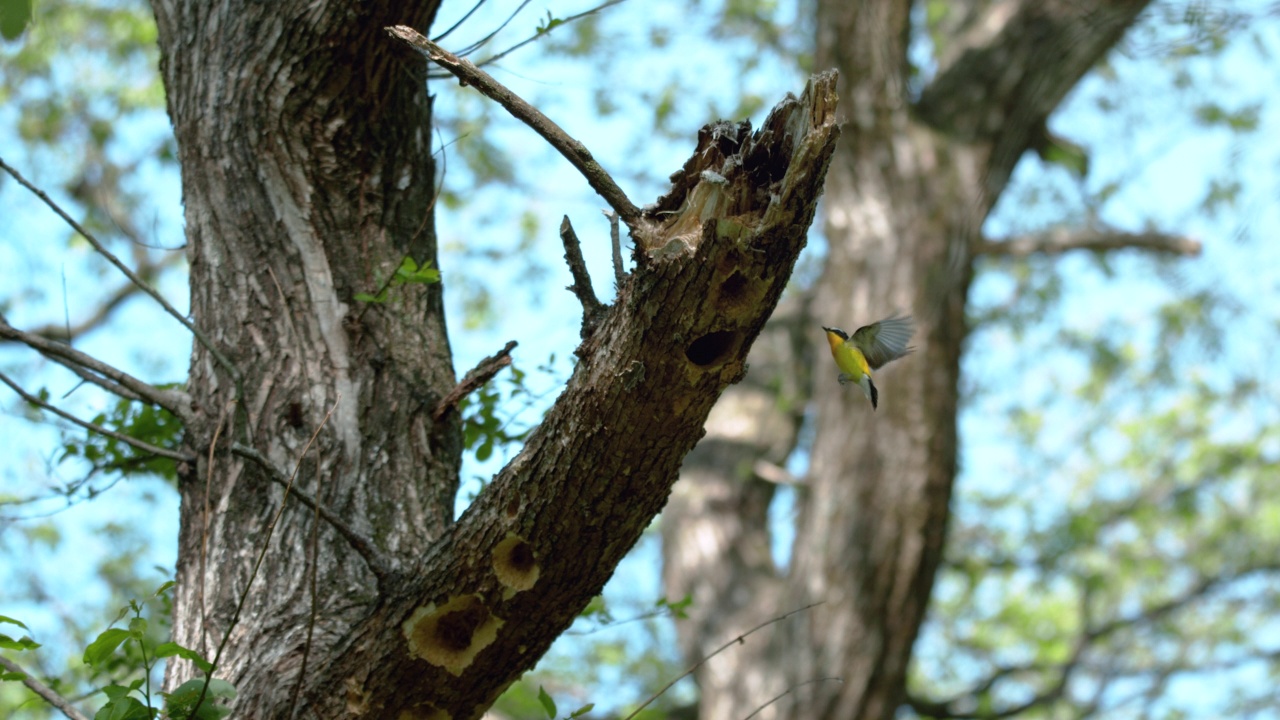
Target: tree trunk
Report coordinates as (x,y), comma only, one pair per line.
(906,196)
(303,132)
(304,139)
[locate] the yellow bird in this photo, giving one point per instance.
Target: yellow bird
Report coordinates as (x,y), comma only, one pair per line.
(870,348)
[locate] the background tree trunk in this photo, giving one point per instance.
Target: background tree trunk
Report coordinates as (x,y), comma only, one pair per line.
(907,193)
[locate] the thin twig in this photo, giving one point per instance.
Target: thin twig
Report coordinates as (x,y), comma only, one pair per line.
(44,691)
(493,33)
(204,530)
(313,551)
(736,641)
(786,692)
(363,547)
(458,24)
(592,309)
(619,274)
(482,373)
(575,152)
(110,386)
(540,33)
(133,277)
(262,554)
(68,332)
(94,427)
(174,401)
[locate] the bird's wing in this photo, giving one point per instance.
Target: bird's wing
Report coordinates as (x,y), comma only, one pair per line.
(884,341)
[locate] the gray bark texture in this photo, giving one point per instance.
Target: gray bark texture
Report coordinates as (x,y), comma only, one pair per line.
(910,185)
(304,137)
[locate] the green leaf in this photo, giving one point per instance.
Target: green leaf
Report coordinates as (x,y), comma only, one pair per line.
(15,15)
(115,692)
(1074,158)
(18,676)
(164,588)
(124,708)
(582,710)
(170,649)
(106,644)
(548,704)
(366,297)
(137,627)
(183,700)
(410,273)
(23,643)
(11,621)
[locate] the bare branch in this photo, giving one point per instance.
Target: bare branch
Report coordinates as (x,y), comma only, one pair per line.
(372,557)
(135,442)
(736,641)
(175,401)
(575,152)
(1061,240)
(44,691)
(619,274)
(133,277)
(592,309)
(62,333)
(482,373)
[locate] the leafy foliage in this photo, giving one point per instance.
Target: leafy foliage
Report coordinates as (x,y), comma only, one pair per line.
(409,273)
(150,423)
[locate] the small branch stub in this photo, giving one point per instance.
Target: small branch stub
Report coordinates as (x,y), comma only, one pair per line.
(592,308)
(482,373)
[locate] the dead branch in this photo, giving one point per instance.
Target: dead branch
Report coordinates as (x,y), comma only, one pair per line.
(575,152)
(482,373)
(619,274)
(592,308)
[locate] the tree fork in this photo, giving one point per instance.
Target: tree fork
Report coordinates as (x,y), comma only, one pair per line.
(533,549)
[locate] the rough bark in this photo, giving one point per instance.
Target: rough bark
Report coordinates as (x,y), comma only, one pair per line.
(304,139)
(303,132)
(907,193)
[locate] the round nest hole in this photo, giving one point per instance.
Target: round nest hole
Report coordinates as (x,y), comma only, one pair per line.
(712,349)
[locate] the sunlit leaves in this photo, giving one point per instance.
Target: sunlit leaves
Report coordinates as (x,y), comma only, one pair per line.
(408,273)
(148,423)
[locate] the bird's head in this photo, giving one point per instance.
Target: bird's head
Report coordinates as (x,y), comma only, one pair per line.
(835,337)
